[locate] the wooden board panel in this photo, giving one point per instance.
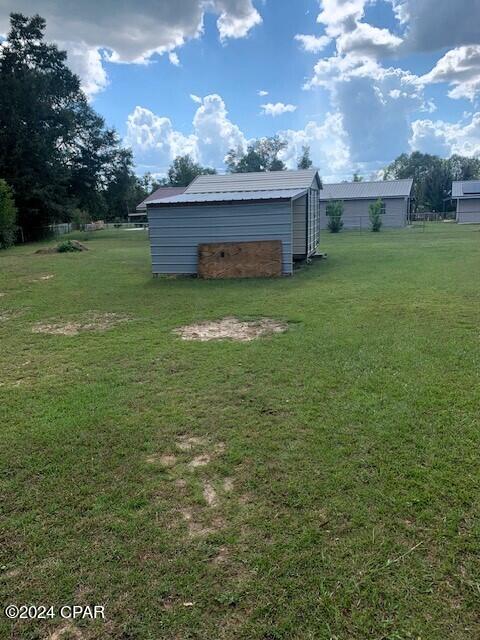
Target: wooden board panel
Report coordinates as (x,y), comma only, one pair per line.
(258,259)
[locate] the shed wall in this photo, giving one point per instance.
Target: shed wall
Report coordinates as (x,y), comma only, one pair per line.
(299,225)
(355,213)
(176,232)
(468,210)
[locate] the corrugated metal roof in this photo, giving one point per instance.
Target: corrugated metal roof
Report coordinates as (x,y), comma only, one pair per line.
(160,193)
(229,196)
(255,181)
(354,190)
(466,189)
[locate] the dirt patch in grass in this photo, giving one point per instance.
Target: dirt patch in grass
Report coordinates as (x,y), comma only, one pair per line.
(199,461)
(228,485)
(210,495)
(231,329)
(186,443)
(196,528)
(93,322)
(66,632)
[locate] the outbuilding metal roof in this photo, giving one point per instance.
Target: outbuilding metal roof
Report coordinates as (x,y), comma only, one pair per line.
(160,193)
(230,196)
(255,181)
(354,190)
(466,189)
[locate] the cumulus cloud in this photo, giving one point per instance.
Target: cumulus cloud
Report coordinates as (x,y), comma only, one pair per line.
(312,44)
(277,108)
(86,62)
(174,59)
(156,142)
(328,147)
(446,138)
(342,21)
(435,24)
(130,32)
(262,93)
(195,98)
(460,68)
(368,40)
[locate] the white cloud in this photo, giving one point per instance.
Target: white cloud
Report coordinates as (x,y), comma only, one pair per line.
(195,98)
(216,134)
(86,62)
(131,32)
(262,93)
(237,18)
(328,147)
(174,59)
(446,138)
(155,141)
(459,67)
(368,40)
(342,20)
(313,44)
(435,24)
(277,108)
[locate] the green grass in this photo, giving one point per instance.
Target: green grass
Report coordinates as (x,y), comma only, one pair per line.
(352,441)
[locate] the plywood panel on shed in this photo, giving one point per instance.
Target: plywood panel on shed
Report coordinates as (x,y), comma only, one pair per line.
(257,259)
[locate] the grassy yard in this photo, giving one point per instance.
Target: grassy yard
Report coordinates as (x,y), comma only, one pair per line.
(340,459)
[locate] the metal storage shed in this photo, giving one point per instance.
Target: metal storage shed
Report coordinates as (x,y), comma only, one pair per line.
(239,207)
(357,196)
(467,195)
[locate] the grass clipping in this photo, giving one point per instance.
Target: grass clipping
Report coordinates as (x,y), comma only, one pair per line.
(94,322)
(231,329)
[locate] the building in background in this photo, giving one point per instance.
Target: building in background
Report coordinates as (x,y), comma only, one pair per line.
(467,196)
(356,197)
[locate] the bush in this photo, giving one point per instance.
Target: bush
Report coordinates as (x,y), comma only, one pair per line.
(334,215)
(66,246)
(375,215)
(80,218)
(8,216)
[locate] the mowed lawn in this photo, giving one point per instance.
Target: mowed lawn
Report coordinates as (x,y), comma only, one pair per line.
(319,484)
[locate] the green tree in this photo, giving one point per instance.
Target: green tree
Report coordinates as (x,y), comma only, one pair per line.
(375,215)
(304,161)
(334,213)
(8,216)
(432,176)
(55,151)
(357,177)
(261,155)
(183,170)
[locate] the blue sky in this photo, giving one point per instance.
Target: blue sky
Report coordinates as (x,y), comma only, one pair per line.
(360,81)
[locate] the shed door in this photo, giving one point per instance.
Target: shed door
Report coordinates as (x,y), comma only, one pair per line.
(313,221)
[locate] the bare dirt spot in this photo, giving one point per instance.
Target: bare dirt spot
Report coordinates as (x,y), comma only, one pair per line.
(231,328)
(75,245)
(228,485)
(210,495)
(180,483)
(6,315)
(2,294)
(49,276)
(165,460)
(195,528)
(186,443)
(222,556)
(93,322)
(199,461)
(66,632)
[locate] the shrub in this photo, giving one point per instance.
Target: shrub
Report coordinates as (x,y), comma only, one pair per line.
(80,218)
(375,215)
(67,245)
(8,216)
(334,214)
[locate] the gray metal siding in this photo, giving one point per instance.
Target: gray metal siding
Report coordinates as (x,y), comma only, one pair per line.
(175,232)
(299,225)
(468,210)
(254,181)
(355,213)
